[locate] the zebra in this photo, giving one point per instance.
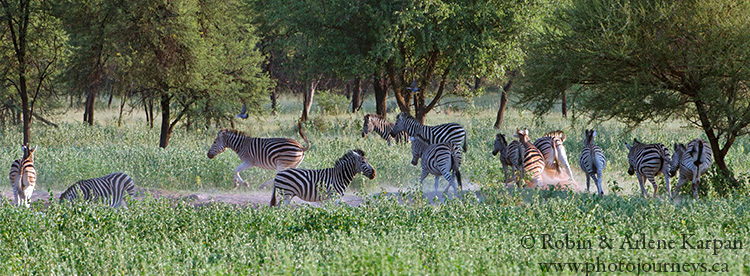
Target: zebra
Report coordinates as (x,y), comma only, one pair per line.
(439,160)
(108,189)
(267,153)
(592,161)
(693,161)
(451,132)
(555,156)
(23,177)
(305,184)
(533,160)
(375,122)
(510,155)
(648,160)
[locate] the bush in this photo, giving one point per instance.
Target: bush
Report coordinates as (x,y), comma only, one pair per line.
(331,103)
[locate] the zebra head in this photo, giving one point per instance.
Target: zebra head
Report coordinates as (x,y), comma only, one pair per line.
(631,169)
(418,145)
(70,194)
(361,164)
(28,153)
(219,144)
(522,135)
(679,152)
(500,143)
(366,126)
(400,124)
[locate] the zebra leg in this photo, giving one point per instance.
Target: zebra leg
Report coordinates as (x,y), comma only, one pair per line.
(588,182)
(695,188)
(681,180)
(598,182)
(440,197)
(653,183)
(237,178)
(641,180)
(505,173)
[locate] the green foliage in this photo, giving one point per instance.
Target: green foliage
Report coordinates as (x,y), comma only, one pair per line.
(331,103)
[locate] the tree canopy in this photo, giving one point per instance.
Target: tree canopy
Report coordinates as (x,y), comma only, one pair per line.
(642,60)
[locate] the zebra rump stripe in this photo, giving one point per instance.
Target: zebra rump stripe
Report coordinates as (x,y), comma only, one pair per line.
(533,160)
(648,161)
(23,177)
(439,160)
(318,185)
(552,148)
(378,124)
(592,161)
(693,161)
(450,132)
(109,189)
(267,153)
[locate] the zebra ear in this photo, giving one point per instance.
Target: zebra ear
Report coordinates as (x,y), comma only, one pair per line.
(32,149)
(358,152)
(628,146)
(593,133)
(635,141)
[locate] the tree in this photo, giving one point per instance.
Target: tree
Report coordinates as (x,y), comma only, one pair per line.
(644,60)
(37,48)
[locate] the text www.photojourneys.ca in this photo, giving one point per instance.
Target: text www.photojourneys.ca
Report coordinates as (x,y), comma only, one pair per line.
(633,267)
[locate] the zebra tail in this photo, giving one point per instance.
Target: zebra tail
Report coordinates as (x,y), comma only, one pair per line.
(697,161)
(299,124)
(273,196)
(456,171)
(466,142)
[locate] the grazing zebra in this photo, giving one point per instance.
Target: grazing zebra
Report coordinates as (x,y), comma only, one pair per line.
(23,177)
(109,189)
(268,153)
(533,160)
(318,185)
(451,132)
(648,160)
(375,122)
(592,161)
(693,161)
(555,156)
(510,155)
(439,160)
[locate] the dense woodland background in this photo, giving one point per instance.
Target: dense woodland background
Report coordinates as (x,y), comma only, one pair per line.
(194,64)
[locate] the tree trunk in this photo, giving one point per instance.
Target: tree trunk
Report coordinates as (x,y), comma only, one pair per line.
(564,106)
(275,89)
(348,90)
(151,113)
(503,104)
(25,105)
(166,132)
(88,113)
(308,99)
(477,82)
(122,107)
(719,153)
(380,85)
(356,94)
(109,102)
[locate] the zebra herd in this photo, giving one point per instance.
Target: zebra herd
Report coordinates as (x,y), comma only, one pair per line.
(110,189)
(439,147)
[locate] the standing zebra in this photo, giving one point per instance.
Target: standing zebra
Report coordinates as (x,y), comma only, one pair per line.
(375,122)
(510,155)
(318,185)
(592,161)
(451,132)
(268,153)
(109,189)
(555,156)
(648,160)
(439,160)
(693,161)
(23,177)
(533,160)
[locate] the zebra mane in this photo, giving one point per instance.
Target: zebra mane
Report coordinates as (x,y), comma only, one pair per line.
(375,116)
(349,157)
(557,133)
(235,132)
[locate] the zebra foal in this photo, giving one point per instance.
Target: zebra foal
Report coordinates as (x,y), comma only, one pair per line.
(109,189)
(693,161)
(450,132)
(533,160)
(378,124)
(555,156)
(267,153)
(648,161)
(440,159)
(23,177)
(592,161)
(510,155)
(319,185)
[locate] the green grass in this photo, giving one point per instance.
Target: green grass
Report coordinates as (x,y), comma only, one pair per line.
(382,236)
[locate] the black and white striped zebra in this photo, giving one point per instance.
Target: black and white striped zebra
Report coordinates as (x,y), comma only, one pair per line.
(533,160)
(267,153)
(318,185)
(23,177)
(109,189)
(510,155)
(441,159)
(648,161)
(592,161)
(693,161)
(378,124)
(553,150)
(450,132)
